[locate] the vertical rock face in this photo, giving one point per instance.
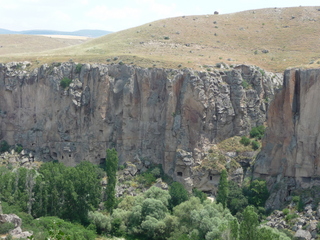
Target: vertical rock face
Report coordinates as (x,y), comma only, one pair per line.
(291,147)
(144,113)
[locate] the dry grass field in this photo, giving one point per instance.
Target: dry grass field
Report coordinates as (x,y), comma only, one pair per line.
(274,39)
(18,44)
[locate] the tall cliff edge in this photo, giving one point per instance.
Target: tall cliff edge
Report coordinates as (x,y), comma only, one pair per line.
(144,113)
(291,146)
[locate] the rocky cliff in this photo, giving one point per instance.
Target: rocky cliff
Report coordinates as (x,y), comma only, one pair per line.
(145,113)
(291,148)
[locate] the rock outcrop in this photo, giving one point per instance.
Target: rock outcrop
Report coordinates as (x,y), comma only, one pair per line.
(149,113)
(14,219)
(291,148)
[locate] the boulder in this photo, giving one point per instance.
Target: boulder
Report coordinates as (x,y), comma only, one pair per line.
(302,235)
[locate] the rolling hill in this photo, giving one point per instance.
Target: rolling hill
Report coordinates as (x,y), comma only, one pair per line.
(274,39)
(84,32)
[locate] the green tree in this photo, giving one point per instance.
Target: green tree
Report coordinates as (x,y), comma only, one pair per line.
(258,193)
(268,233)
(248,227)
(223,189)
(111,169)
(178,194)
(236,201)
(199,194)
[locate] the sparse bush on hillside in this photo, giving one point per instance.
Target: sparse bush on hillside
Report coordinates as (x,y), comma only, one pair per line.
(245,84)
(65,82)
(166,38)
(245,141)
(18,148)
(262,72)
(78,67)
(285,211)
(257,132)
(255,145)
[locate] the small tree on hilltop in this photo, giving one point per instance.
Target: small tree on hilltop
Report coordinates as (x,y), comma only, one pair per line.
(111,169)
(223,188)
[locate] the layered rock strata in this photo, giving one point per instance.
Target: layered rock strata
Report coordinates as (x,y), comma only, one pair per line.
(144,113)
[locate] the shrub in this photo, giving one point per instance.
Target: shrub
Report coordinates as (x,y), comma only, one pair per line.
(300,205)
(289,217)
(255,145)
(245,84)
(65,82)
(6,227)
(285,211)
(166,38)
(296,199)
(4,146)
(18,148)
(257,132)
(78,67)
(245,141)
(262,72)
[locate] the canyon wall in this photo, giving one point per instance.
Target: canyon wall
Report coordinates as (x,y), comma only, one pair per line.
(144,113)
(290,155)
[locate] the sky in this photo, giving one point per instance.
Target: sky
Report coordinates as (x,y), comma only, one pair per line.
(116,15)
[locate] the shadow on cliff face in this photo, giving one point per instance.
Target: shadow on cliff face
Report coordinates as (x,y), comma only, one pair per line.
(289,159)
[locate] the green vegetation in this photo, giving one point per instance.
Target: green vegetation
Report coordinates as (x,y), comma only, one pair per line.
(111,169)
(257,193)
(18,148)
(262,72)
(245,141)
(6,227)
(233,144)
(78,68)
(245,84)
(4,146)
(236,201)
(55,194)
(65,82)
(255,145)
(178,194)
(223,189)
(257,132)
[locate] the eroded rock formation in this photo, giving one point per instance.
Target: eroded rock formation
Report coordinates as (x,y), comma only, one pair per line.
(291,148)
(144,113)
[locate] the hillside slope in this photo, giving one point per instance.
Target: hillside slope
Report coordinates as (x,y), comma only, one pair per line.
(274,39)
(18,45)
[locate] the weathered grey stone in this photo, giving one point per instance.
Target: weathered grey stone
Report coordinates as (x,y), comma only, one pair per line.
(292,118)
(302,235)
(146,112)
(11,218)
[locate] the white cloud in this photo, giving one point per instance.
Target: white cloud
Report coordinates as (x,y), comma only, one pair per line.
(158,8)
(104,13)
(84,2)
(62,16)
(9,6)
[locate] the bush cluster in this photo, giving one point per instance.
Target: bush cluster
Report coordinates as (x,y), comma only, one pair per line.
(6,227)
(257,132)
(245,141)
(78,67)
(65,82)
